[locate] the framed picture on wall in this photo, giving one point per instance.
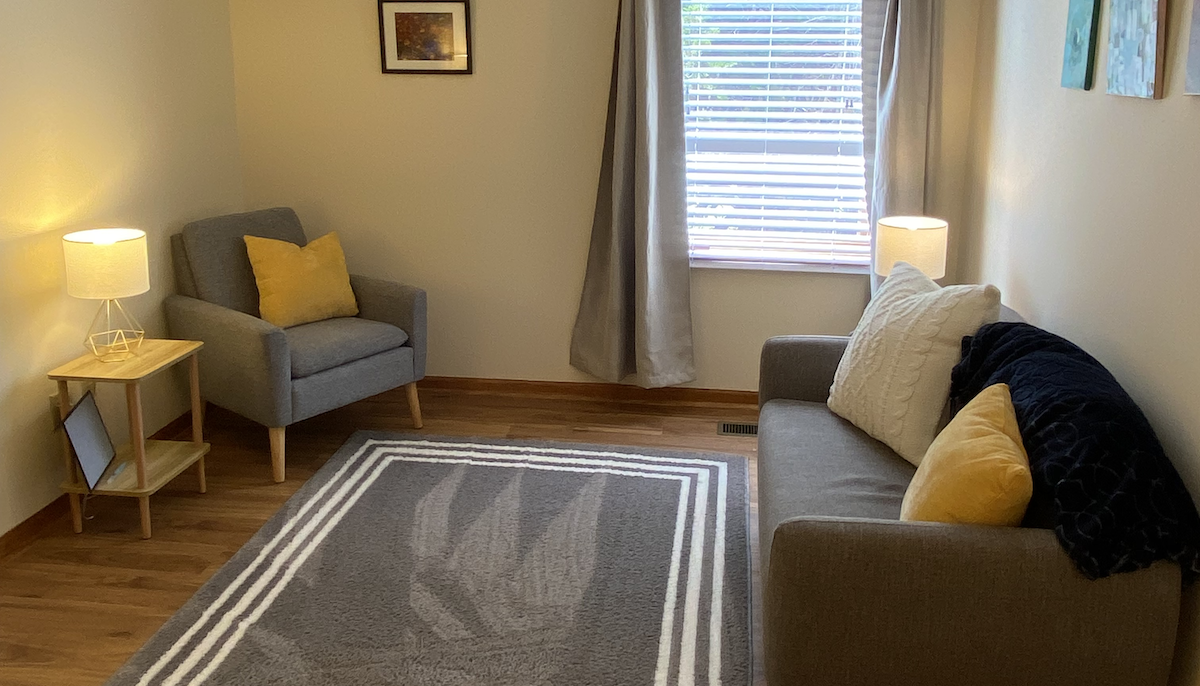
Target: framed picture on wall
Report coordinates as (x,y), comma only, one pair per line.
(1193,60)
(1079,55)
(417,37)
(1137,38)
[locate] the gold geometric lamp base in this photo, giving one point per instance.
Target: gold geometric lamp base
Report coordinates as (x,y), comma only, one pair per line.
(115,334)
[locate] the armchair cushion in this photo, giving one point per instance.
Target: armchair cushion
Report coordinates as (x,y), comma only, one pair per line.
(398,305)
(331,343)
(216,254)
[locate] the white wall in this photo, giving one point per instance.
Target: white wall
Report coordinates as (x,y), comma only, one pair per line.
(114,113)
(1088,216)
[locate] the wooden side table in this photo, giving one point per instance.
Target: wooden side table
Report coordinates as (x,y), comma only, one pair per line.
(154,463)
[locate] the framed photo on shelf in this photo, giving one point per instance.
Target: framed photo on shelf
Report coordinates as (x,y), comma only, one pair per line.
(417,37)
(89,439)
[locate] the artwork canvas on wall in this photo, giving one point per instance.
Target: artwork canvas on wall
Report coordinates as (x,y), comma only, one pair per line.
(1079,54)
(1136,43)
(1193,64)
(418,37)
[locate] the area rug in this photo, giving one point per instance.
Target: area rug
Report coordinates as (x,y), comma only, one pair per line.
(419,560)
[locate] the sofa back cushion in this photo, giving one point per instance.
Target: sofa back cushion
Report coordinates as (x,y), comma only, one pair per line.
(215,254)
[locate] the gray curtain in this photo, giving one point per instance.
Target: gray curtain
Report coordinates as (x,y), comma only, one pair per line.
(902,93)
(635,315)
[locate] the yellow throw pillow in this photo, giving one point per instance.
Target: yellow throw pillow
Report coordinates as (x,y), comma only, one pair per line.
(301,285)
(976,471)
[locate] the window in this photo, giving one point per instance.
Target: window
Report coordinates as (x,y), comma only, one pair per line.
(774,134)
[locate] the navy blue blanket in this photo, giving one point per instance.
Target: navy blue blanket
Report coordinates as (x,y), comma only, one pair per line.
(1118,504)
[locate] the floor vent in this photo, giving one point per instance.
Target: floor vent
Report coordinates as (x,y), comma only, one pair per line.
(737,429)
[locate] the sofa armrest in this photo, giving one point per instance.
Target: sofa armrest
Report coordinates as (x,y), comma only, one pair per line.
(398,305)
(799,367)
(858,601)
(245,364)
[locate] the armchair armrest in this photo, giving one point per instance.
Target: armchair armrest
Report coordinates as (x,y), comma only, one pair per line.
(861,601)
(398,305)
(799,367)
(245,364)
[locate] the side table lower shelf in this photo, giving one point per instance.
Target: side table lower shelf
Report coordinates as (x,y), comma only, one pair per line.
(165,460)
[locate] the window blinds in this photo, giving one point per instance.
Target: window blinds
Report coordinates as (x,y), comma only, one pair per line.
(774,133)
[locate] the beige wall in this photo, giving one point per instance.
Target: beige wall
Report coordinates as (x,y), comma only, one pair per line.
(114,113)
(1087,207)
(480,189)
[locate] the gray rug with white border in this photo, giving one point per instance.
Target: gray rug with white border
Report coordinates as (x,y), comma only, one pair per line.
(411,559)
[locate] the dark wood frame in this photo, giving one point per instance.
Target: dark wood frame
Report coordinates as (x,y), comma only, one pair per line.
(383,40)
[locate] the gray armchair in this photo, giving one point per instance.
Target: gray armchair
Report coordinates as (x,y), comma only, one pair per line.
(276,376)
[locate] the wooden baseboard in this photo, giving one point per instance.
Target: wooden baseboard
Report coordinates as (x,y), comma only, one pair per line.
(29,530)
(590,391)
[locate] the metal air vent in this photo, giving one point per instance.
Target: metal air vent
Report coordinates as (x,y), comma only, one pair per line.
(737,429)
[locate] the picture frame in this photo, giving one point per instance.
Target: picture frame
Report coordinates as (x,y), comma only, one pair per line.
(425,37)
(1079,53)
(1192,84)
(1137,42)
(94,452)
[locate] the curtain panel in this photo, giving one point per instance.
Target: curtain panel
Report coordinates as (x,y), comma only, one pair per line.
(902,92)
(635,315)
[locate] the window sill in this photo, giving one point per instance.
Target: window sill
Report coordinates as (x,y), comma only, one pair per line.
(740,265)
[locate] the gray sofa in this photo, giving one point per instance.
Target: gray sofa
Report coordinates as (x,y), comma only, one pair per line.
(852,595)
(275,376)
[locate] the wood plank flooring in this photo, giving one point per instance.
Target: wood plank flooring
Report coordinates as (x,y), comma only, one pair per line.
(73,608)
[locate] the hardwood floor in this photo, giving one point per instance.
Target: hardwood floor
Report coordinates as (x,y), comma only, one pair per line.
(73,607)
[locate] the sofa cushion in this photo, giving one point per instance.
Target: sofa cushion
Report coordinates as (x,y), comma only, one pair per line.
(331,343)
(216,254)
(813,463)
(894,377)
(976,471)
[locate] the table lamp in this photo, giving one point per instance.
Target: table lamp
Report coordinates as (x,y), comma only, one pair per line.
(109,264)
(919,241)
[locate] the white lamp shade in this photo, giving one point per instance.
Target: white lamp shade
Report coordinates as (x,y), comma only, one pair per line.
(106,264)
(919,241)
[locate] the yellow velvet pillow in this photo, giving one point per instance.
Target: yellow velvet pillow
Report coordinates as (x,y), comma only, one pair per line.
(976,471)
(301,285)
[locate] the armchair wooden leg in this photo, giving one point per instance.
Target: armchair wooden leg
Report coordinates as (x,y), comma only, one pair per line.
(414,404)
(278,463)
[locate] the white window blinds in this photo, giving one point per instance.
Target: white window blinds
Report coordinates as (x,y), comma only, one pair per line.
(774,133)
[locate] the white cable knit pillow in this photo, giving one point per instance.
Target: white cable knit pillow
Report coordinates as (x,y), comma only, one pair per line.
(894,378)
